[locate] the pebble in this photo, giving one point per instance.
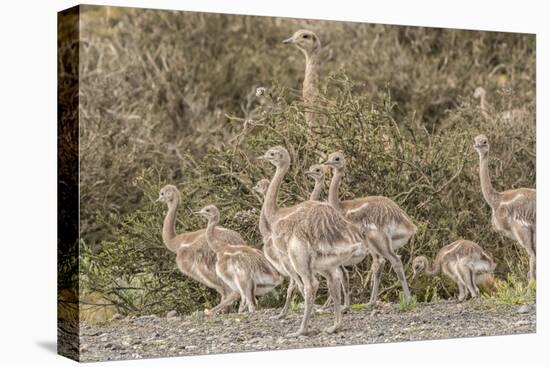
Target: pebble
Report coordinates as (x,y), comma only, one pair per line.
(523,309)
(149,337)
(171,314)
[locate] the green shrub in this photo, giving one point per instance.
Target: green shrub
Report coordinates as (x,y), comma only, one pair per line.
(168,97)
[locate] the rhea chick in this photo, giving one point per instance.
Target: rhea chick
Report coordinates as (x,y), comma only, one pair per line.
(463,261)
(243,268)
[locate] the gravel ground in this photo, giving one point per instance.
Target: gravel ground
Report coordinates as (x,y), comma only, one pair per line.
(153,336)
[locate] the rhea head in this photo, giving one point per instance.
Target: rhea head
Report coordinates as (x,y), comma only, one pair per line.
(305,40)
(277,156)
(418,265)
(336,160)
(479,92)
(168,194)
(316,172)
(481,144)
(210,212)
(261,186)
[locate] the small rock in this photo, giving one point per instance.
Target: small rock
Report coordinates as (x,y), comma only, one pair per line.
(148,317)
(171,314)
(523,309)
(116,317)
(113,346)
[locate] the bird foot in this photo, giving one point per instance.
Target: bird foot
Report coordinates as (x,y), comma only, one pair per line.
(301,332)
(281,315)
(333,329)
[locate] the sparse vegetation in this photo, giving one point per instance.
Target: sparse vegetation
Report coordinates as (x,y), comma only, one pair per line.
(403,306)
(511,291)
(169,97)
(358,307)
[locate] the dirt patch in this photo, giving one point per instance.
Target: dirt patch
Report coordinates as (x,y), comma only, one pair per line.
(153,336)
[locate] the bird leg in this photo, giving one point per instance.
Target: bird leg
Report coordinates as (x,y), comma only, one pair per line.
(376,273)
(289,293)
(334,284)
(526,239)
(227,300)
(310,290)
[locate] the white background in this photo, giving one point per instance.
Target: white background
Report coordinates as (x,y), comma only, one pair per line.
(28,180)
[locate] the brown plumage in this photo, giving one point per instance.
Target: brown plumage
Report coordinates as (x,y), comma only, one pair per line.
(481,94)
(279,260)
(317,172)
(513,211)
(391,227)
(463,261)
(315,237)
(244,269)
(508,116)
(193,256)
(310,45)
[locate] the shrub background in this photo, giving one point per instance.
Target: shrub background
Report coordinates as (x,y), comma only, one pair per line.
(169,97)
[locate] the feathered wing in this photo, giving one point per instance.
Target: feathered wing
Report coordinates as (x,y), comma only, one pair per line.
(250,258)
(198,237)
(521,207)
(377,210)
(320,225)
(228,236)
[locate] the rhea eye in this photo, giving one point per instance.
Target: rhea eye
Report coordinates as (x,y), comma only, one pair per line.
(306,36)
(317,170)
(337,159)
(161,194)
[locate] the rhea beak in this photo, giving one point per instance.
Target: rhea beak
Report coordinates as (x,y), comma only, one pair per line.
(261,158)
(288,41)
(414,275)
(160,199)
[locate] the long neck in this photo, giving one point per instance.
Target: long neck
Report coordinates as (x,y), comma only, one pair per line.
(489,193)
(311,78)
(264,225)
(169,226)
(483,106)
(333,199)
(210,236)
(316,193)
(270,203)
(431,269)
